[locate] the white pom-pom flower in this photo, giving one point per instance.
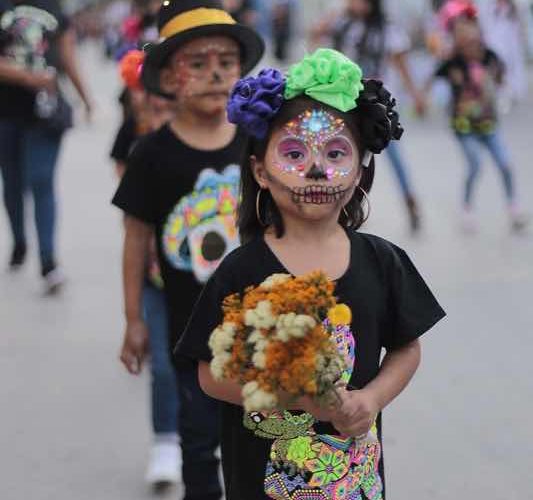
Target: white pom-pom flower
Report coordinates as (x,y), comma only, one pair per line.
(293,326)
(255,399)
(218,364)
(259,360)
(261,316)
(275,279)
(222,338)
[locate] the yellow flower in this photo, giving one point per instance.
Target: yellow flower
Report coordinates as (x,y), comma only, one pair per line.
(340,315)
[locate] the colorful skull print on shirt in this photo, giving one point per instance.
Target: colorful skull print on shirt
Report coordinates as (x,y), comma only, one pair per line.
(307,465)
(201,230)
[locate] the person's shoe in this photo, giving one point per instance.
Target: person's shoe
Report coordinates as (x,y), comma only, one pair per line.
(18,257)
(414,214)
(164,466)
(54,280)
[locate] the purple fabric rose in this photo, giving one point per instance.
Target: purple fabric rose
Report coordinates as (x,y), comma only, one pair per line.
(255,100)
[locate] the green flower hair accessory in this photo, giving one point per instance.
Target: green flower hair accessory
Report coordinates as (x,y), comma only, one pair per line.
(326,76)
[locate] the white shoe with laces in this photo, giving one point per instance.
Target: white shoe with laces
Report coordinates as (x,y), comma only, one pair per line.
(164,466)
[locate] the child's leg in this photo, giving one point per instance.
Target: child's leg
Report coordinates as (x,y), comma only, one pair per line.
(472,152)
(164,465)
(164,387)
(13,184)
(499,153)
(199,429)
(400,169)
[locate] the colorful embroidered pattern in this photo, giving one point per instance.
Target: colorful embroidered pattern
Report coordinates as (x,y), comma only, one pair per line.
(310,466)
(201,230)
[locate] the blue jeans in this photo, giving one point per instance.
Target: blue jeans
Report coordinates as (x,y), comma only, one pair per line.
(471,145)
(165,402)
(400,169)
(28,157)
(199,429)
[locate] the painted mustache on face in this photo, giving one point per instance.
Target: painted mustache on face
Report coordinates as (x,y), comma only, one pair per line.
(318,194)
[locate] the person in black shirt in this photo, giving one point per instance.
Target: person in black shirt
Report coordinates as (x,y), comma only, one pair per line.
(303,190)
(36,45)
(182,181)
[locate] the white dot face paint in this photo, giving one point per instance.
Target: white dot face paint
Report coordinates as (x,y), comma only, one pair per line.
(316,141)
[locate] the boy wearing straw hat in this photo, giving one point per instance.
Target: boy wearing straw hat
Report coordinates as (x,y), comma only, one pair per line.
(182,182)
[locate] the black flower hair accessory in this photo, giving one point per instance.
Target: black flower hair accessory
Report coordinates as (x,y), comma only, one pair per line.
(381,123)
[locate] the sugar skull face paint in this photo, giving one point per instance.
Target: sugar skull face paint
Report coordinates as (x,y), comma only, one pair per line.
(315,147)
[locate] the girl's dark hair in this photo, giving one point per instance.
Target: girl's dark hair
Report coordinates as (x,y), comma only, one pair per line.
(248,223)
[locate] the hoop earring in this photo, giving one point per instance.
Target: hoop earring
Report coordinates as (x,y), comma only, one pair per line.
(367,203)
(258,208)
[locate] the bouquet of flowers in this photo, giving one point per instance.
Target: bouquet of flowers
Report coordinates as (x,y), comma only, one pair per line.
(284,339)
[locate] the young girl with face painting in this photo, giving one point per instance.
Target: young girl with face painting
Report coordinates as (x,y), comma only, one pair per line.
(304,189)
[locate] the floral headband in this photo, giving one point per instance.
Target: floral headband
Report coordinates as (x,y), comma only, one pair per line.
(131,66)
(327,76)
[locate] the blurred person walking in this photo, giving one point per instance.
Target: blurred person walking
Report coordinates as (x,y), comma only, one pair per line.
(243,11)
(282,26)
(37,46)
(148,113)
(504,31)
(475,74)
(363,33)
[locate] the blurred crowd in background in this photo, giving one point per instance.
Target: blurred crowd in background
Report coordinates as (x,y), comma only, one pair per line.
(285,23)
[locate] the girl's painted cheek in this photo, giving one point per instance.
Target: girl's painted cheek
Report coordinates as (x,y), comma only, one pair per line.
(338,157)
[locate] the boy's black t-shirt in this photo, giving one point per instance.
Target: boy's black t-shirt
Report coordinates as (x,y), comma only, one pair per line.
(29,33)
(391,306)
(190,197)
(474,86)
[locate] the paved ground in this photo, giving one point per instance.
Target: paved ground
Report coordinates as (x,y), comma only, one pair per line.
(75,426)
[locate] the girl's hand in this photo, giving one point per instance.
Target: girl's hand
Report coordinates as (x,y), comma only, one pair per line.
(358,413)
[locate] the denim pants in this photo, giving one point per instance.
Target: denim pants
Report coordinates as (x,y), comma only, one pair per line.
(28,157)
(164,391)
(199,429)
(396,159)
(472,145)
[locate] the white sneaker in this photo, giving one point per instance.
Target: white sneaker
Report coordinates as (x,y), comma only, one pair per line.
(54,280)
(164,467)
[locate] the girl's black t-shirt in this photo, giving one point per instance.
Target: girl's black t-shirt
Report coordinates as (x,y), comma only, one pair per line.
(391,306)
